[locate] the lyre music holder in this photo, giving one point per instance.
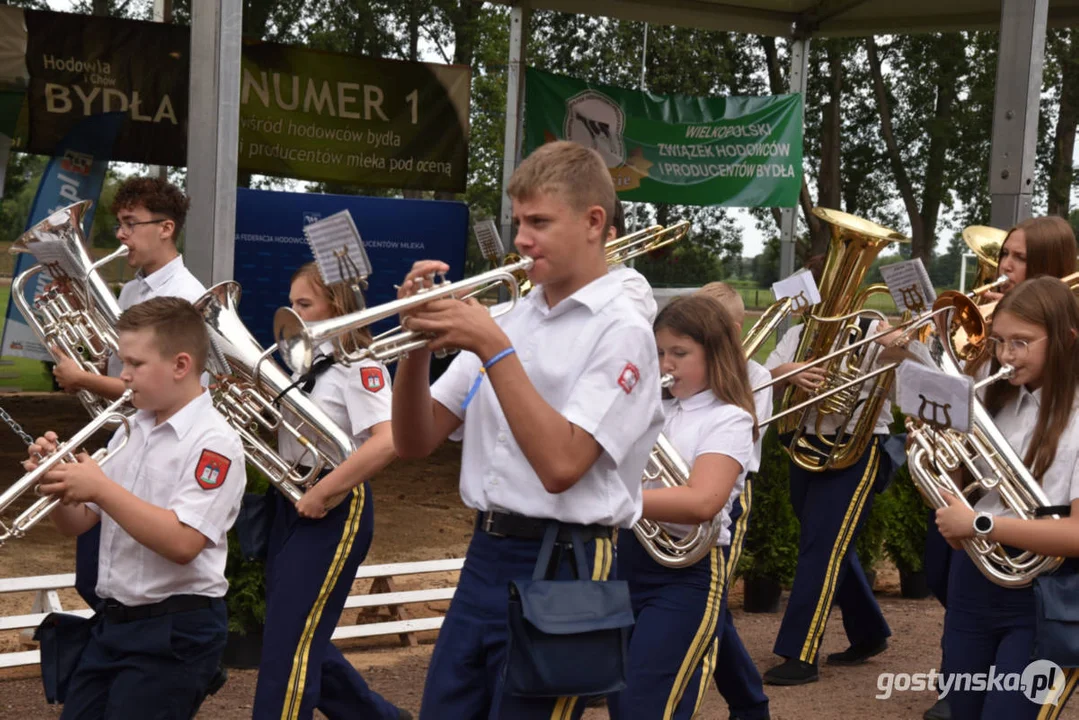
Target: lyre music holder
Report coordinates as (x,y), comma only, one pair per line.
(339,252)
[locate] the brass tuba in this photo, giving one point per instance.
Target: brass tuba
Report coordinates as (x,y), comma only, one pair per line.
(666,466)
(76,312)
(937,454)
(42,506)
(985,242)
(829,326)
(248,385)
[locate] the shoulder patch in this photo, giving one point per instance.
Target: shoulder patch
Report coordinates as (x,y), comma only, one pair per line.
(372,378)
(212,470)
(628,378)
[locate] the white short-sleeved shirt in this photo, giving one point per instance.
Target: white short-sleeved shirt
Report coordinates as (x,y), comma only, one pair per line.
(637,289)
(172,279)
(192,464)
(784,353)
(356,397)
(1016,421)
(702,425)
(762,402)
(593,359)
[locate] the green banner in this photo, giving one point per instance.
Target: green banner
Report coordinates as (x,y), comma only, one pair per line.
(733,151)
(327,116)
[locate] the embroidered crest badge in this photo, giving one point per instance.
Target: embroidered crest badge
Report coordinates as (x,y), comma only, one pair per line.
(211,470)
(372,378)
(628,377)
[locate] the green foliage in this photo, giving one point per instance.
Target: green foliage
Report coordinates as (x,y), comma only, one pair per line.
(771,544)
(246,597)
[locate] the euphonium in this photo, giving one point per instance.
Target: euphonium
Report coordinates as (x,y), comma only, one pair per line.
(42,506)
(297,340)
(936,454)
(669,468)
(832,324)
(248,387)
(76,312)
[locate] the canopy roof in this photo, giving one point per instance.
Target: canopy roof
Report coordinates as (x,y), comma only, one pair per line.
(817,17)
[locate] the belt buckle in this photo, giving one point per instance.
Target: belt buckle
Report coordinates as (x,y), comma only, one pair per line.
(487,523)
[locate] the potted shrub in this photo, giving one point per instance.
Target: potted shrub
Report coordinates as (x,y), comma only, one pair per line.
(246,597)
(770,552)
(904,540)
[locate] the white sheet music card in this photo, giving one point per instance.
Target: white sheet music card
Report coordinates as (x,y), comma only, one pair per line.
(910,286)
(490,243)
(935,398)
(338,249)
(800,288)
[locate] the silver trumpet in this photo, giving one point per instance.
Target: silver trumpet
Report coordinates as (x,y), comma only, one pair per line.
(297,340)
(77,312)
(65,453)
(248,382)
(666,466)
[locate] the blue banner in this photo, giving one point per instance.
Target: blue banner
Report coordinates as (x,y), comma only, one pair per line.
(270,245)
(75,173)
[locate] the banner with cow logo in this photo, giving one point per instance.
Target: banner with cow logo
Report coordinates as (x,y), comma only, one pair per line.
(730,151)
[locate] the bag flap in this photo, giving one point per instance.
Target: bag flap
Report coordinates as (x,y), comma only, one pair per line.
(1055,596)
(566,607)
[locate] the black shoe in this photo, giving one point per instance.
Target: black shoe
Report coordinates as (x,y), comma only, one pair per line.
(858,653)
(217,681)
(940,711)
(792,672)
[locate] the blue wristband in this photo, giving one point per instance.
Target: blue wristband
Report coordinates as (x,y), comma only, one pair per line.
(483,371)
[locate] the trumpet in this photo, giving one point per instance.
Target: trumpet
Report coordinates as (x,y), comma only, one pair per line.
(970,319)
(65,453)
(297,340)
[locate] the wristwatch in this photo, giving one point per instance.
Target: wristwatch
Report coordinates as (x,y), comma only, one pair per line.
(983,524)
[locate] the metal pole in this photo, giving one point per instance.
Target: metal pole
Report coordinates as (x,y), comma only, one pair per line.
(1015,109)
(644,58)
(162,14)
(789,216)
(515,93)
(213,138)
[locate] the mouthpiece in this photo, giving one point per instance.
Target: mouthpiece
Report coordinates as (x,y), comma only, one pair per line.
(666,381)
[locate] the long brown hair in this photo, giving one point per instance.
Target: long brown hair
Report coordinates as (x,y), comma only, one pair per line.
(702,319)
(1051,247)
(342,302)
(1048,303)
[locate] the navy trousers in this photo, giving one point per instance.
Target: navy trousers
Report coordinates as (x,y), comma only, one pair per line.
(736,676)
(87,549)
(156,669)
(310,566)
(990,626)
(672,649)
(832,506)
(464,678)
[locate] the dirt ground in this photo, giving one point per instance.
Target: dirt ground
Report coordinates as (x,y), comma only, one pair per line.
(419,516)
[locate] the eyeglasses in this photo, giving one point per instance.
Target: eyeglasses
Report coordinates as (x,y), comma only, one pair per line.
(1017,346)
(129,227)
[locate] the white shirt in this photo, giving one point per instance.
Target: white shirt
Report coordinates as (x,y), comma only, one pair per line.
(593,359)
(637,289)
(702,425)
(1016,421)
(172,279)
(355,397)
(784,353)
(762,401)
(192,464)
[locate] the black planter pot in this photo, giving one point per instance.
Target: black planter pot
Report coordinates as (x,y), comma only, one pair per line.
(761,595)
(913,585)
(243,650)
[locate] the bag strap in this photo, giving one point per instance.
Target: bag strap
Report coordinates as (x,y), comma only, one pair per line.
(544,560)
(578,555)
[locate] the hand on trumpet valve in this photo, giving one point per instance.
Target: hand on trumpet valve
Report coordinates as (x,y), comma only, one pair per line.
(77,482)
(459,325)
(40,449)
(955,521)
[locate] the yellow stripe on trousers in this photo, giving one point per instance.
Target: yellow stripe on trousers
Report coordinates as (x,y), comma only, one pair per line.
(601,567)
(706,633)
(839,550)
(707,668)
(1052,712)
(741,526)
(298,676)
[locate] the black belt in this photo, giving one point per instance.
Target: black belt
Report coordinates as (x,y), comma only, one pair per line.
(502,524)
(117,612)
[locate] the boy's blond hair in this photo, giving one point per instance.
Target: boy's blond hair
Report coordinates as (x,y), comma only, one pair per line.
(576,173)
(177,326)
(728,297)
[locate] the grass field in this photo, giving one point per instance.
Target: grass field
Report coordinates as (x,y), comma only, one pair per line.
(30,374)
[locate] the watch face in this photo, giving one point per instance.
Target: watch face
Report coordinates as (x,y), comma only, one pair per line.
(983,523)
